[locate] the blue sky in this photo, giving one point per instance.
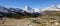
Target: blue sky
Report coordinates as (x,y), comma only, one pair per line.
(31,3)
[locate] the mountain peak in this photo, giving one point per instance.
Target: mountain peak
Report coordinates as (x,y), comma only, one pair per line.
(58,6)
(52,8)
(27,7)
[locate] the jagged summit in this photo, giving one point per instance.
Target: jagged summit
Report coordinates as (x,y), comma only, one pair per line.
(28,9)
(31,10)
(12,11)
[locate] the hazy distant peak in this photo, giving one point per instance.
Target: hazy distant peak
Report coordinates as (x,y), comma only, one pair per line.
(52,8)
(58,6)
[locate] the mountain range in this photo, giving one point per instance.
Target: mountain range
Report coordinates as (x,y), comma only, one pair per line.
(16,11)
(52,8)
(28,11)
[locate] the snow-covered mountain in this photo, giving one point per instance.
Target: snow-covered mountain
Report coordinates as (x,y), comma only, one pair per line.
(31,10)
(58,6)
(52,8)
(26,11)
(37,10)
(3,9)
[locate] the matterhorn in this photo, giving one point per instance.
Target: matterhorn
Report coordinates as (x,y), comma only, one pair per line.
(31,10)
